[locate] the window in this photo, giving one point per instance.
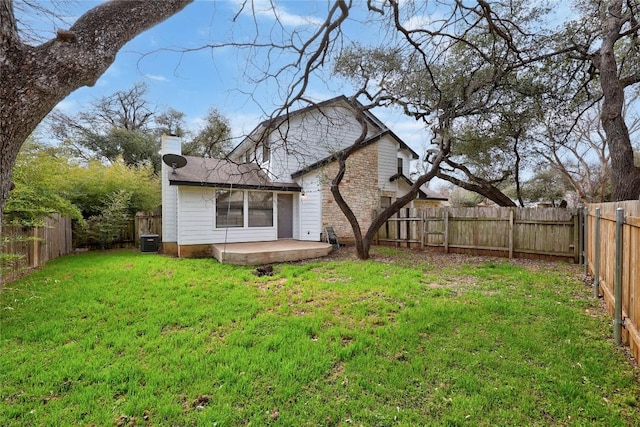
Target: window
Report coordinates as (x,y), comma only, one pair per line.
(385,202)
(266,151)
(229,209)
(260,209)
(247,156)
(400,166)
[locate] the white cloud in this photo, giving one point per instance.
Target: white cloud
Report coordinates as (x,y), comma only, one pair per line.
(156,77)
(196,124)
(243,123)
(287,18)
(269,9)
(417,23)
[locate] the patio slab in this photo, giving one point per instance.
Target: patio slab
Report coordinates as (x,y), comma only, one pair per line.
(259,253)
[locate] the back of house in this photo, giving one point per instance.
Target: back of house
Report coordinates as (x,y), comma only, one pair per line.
(276,183)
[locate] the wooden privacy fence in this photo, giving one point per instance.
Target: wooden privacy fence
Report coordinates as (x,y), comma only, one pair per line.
(148,223)
(142,223)
(26,248)
(613,258)
(539,233)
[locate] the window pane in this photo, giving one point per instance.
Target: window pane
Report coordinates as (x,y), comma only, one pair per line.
(266,151)
(260,209)
(229,209)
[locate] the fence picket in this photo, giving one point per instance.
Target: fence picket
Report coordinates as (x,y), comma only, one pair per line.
(32,247)
(601,243)
(545,233)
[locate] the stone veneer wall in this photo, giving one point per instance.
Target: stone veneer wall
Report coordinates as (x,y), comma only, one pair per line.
(359,188)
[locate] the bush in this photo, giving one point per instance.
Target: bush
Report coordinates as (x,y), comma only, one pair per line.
(106,228)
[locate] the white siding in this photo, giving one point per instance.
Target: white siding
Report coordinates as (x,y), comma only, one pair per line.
(387,163)
(169,210)
(310,217)
(296,216)
(196,215)
(406,159)
(170,145)
(311,137)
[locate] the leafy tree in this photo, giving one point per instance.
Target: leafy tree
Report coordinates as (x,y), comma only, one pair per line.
(37,175)
(100,197)
(459,197)
(213,140)
(470,84)
(170,122)
(133,147)
(36,77)
(547,185)
(482,62)
(106,227)
(124,126)
(46,182)
(616,65)
(581,156)
(118,126)
(90,185)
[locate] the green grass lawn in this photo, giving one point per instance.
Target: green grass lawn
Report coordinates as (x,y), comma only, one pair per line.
(122,338)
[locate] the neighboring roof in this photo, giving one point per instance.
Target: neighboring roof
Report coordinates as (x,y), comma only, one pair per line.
(203,172)
(334,157)
(287,116)
(402,177)
(422,194)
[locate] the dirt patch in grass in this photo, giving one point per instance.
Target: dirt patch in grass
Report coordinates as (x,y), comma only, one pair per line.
(272,284)
(336,372)
(440,259)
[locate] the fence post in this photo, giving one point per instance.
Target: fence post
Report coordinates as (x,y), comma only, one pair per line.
(585,220)
(398,228)
(422,226)
(596,256)
(408,227)
(511,217)
(617,313)
(35,247)
(580,236)
(576,237)
(386,230)
(446,230)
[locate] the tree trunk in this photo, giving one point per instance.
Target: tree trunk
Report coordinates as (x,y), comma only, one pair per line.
(346,210)
(35,79)
(625,176)
(483,188)
(363,242)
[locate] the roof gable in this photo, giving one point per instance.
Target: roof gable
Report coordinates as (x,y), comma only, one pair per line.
(263,127)
(335,156)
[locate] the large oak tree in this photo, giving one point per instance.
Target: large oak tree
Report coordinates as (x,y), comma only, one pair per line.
(36,78)
(495,68)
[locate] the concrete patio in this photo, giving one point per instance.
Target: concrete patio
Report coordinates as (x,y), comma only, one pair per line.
(259,253)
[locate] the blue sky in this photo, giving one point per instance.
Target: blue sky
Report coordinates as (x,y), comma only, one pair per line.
(195,81)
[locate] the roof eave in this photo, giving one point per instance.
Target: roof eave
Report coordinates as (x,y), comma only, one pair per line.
(270,187)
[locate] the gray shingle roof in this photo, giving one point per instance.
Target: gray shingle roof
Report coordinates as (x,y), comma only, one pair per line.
(218,173)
